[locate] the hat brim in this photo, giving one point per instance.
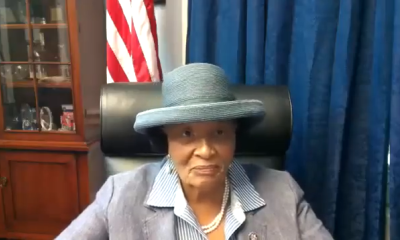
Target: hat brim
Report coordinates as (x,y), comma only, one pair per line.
(250,111)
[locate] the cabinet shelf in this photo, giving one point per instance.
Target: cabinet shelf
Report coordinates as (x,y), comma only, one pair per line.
(34,25)
(28,84)
(35,63)
(41,132)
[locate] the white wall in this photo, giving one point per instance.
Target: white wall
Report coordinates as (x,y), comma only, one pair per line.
(171,29)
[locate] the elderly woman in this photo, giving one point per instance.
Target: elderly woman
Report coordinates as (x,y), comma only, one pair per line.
(198,191)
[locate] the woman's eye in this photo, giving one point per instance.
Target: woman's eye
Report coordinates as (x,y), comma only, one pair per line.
(187,133)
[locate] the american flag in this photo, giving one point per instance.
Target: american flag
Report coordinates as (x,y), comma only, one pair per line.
(132,44)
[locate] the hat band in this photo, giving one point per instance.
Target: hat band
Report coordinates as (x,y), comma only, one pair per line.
(199,101)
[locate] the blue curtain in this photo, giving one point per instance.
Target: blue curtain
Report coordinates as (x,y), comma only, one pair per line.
(394,174)
(341,62)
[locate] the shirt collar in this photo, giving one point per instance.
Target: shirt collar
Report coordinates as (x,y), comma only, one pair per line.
(167,182)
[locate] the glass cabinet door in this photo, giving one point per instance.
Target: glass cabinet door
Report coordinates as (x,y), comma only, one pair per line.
(35,66)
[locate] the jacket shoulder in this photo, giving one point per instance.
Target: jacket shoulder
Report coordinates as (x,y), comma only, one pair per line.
(273,184)
(148,170)
(142,176)
(132,186)
(286,211)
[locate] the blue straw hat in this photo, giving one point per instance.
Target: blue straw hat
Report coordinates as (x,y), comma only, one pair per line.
(198,92)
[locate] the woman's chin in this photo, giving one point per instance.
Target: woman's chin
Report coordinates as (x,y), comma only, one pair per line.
(204,182)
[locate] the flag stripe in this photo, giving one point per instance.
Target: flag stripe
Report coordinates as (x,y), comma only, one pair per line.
(125,7)
(115,11)
(122,55)
(139,61)
(132,50)
(109,78)
(141,24)
(114,68)
(153,27)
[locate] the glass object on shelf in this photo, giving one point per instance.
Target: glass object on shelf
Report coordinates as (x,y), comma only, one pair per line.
(53,75)
(19,104)
(12,12)
(19,116)
(16,75)
(14,45)
(55,98)
(50,45)
(28,117)
(56,110)
(50,11)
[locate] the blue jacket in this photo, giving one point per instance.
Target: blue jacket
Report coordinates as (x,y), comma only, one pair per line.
(119,210)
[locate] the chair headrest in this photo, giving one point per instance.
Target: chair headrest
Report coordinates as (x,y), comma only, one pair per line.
(121,102)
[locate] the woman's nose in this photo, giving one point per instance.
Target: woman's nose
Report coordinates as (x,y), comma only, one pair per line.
(204,149)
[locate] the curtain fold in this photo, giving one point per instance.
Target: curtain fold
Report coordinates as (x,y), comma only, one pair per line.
(394,172)
(341,63)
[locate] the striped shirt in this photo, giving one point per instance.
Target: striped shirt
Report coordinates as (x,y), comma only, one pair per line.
(167,193)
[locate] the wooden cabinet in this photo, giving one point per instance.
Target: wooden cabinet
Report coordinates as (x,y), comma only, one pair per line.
(52,66)
(30,181)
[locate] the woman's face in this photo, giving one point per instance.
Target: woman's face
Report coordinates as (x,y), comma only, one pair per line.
(202,152)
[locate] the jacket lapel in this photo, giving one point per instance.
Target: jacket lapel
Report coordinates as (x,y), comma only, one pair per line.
(259,227)
(253,229)
(160,224)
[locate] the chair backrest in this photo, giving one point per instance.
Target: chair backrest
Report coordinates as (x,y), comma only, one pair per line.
(125,149)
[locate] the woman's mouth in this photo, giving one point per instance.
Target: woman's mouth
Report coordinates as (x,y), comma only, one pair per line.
(206,170)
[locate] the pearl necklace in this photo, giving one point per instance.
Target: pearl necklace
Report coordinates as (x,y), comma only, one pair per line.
(217,220)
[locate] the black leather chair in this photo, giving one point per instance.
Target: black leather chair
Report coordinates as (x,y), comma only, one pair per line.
(125,149)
